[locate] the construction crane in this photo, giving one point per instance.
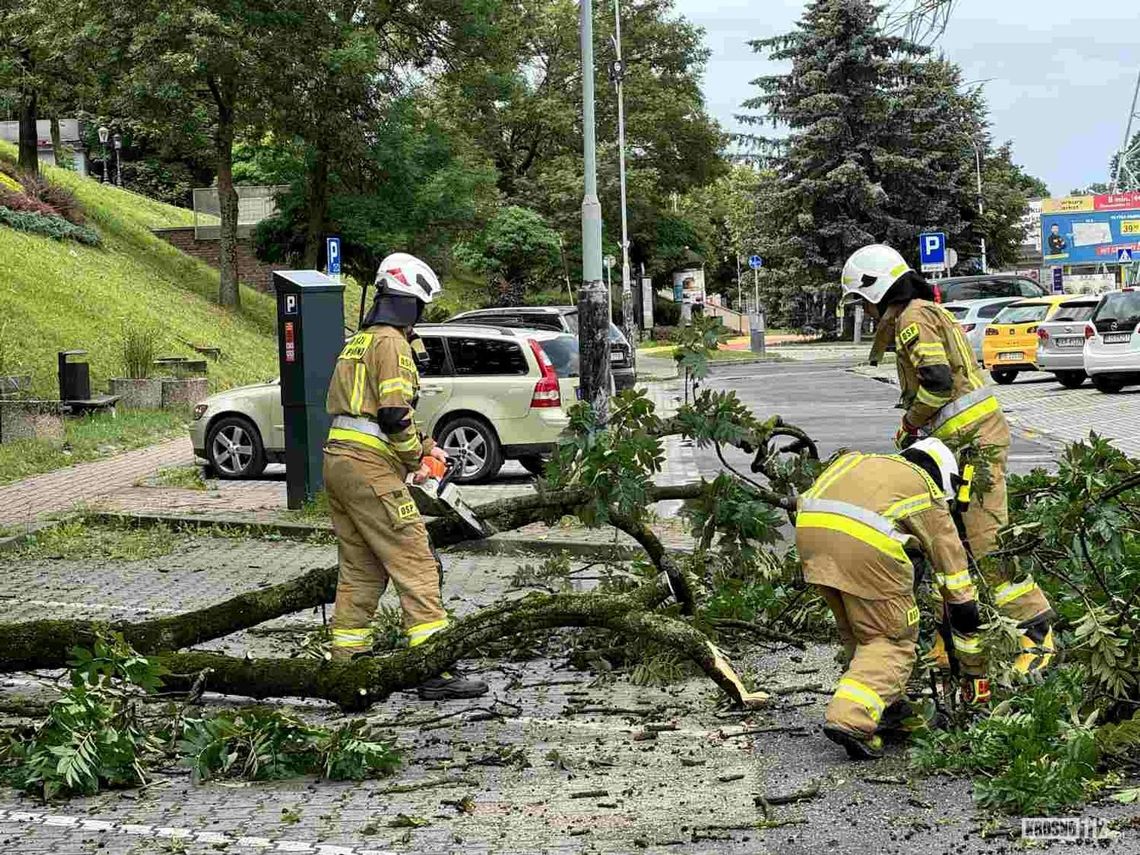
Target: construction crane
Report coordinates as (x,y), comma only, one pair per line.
(1126,174)
(921,21)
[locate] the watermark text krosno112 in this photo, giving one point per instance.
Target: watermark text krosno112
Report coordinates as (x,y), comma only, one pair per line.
(1064,828)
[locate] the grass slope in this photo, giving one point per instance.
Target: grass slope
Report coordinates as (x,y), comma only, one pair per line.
(59,295)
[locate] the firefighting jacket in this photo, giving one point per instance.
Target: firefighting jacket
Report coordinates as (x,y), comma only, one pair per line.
(858,521)
(373,395)
(942,389)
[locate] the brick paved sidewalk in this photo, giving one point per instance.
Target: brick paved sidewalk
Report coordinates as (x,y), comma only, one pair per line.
(24,501)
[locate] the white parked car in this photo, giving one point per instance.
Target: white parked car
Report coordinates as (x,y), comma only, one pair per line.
(1061,341)
(1112,345)
(973,316)
(501,394)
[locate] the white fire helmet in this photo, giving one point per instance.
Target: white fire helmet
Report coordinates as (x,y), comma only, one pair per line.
(401,273)
(870,272)
(944,459)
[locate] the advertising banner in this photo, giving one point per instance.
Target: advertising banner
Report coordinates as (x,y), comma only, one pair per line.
(1089,229)
(689,287)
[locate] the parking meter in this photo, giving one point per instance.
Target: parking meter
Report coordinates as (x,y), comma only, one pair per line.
(310,336)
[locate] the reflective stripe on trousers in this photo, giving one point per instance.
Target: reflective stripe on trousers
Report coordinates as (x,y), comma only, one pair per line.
(962,412)
(421,632)
(869,527)
(862,694)
(360,637)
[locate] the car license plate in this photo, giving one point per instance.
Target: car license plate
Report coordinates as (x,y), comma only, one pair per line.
(617,356)
(1012,357)
(1117,338)
(1072,341)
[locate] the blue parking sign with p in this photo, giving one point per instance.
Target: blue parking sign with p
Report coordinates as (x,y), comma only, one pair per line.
(932,251)
(332,255)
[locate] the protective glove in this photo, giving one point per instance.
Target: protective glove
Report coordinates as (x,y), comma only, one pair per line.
(906,435)
(964,617)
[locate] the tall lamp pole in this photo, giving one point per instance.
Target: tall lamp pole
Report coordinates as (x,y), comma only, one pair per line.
(118,160)
(104,135)
(981,199)
(593,317)
(617,75)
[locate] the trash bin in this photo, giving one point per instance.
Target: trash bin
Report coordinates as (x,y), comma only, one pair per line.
(74,377)
(759,330)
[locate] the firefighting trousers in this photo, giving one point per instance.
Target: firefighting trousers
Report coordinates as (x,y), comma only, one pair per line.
(380,536)
(880,637)
(1021,599)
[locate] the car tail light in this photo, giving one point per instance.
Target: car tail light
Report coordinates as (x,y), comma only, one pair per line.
(1043,335)
(991,331)
(1090,331)
(968,327)
(937,293)
(1031,330)
(546,391)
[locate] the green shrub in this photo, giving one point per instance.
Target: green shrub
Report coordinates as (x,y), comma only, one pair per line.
(48,225)
(57,198)
(140,345)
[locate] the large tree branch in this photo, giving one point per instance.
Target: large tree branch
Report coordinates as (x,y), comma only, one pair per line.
(357,684)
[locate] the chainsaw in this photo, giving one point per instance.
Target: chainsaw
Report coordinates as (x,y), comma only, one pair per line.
(437,496)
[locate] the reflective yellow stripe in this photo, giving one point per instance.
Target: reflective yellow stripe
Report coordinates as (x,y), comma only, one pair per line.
(862,694)
(421,632)
(956,581)
(853,528)
(966,643)
(964,419)
(1011,591)
(930,399)
(966,355)
(899,269)
(356,405)
(931,352)
(907,507)
(352,637)
(406,444)
(843,464)
(347,435)
(397,384)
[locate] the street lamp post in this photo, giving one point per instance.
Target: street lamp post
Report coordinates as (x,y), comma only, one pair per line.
(118,160)
(593,320)
(981,199)
(617,74)
(104,135)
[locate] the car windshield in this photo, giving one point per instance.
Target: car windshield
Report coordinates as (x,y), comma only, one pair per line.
(1123,306)
(1074,312)
(562,351)
(1022,314)
(958,312)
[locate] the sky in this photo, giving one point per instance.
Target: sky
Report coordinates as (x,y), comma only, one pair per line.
(1060,74)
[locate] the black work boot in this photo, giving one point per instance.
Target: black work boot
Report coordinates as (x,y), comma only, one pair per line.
(859,746)
(451,685)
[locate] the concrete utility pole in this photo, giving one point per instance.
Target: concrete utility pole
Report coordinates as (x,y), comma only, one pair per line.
(593,296)
(617,74)
(981,199)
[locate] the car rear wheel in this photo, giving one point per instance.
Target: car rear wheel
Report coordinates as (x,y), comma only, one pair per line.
(1071,379)
(234,448)
(1107,384)
(535,464)
(474,436)
(1003,377)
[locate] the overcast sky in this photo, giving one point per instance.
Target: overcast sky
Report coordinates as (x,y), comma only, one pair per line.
(1063,71)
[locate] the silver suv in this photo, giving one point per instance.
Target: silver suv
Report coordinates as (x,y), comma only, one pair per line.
(499,393)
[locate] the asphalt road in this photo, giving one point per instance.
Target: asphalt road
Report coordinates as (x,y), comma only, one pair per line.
(837,408)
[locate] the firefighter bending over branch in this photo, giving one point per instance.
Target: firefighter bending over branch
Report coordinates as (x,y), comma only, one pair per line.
(374,443)
(945,396)
(856,529)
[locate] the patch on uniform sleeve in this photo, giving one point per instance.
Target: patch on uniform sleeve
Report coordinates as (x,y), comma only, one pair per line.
(407,363)
(908,334)
(912,616)
(409,511)
(356,346)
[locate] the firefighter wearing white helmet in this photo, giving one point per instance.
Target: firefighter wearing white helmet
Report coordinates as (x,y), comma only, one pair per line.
(373,445)
(857,528)
(944,396)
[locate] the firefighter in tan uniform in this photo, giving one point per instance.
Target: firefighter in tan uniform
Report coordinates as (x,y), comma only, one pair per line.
(945,396)
(856,528)
(373,445)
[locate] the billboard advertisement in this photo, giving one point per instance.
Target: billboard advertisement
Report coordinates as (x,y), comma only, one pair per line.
(1089,229)
(689,287)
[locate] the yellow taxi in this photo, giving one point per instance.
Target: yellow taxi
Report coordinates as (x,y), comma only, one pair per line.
(1010,343)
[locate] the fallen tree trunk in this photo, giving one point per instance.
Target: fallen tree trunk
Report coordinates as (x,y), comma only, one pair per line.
(356,685)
